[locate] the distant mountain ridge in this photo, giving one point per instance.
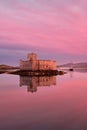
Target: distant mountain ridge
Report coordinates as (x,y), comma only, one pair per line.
(75,65)
(5,67)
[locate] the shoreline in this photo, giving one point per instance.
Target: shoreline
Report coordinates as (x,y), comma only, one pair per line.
(37,72)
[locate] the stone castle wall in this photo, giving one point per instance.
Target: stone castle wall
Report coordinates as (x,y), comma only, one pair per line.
(33,63)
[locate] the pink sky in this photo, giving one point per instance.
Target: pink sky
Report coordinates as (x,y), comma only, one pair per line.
(55,25)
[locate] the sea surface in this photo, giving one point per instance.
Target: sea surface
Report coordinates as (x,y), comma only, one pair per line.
(44,103)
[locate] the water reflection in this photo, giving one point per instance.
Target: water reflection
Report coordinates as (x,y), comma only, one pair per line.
(64,107)
(71,74)
(33,82)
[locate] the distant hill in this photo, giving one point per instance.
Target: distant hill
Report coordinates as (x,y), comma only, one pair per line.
(5,67)
(74,65)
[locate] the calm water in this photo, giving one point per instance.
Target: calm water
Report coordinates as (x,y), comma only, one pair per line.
(43,103)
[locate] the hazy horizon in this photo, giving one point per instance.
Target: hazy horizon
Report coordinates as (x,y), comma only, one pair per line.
(12,57)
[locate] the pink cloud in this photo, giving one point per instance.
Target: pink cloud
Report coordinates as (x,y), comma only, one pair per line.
(50,27)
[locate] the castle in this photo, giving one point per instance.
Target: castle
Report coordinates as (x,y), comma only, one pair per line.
(34,64)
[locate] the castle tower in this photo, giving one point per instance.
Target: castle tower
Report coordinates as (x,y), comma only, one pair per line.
(32,57)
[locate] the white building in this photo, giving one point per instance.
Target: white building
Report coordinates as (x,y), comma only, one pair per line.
(33,63)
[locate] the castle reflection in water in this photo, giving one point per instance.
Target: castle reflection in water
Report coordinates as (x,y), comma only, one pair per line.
(33,82)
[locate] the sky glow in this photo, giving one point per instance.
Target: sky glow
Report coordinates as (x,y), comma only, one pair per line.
(55,26)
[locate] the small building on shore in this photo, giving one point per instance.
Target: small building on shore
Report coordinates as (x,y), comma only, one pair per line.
(34,64)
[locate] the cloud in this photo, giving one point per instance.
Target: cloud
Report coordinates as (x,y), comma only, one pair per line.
(51,25)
